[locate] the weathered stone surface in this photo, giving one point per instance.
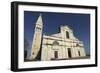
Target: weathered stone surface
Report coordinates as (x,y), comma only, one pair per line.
(63,45)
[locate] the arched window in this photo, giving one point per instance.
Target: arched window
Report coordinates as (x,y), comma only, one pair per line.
(55,43)
(77,44)
(67,34)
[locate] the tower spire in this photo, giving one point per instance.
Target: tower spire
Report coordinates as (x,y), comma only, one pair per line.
(39,20)
(37,37)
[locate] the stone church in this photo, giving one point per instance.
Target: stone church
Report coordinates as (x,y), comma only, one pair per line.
(60,46)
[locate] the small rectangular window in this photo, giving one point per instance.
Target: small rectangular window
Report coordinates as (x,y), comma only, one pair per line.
(79,53)
(67,34)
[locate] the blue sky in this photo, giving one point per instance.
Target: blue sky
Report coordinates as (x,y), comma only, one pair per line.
(79,23)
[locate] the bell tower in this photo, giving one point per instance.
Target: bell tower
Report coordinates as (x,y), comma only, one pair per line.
(37,37)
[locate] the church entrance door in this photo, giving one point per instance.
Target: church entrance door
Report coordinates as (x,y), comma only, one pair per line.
(55,54)
(69,52)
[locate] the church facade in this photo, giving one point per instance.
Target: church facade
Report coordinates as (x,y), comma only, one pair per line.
(61,46)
